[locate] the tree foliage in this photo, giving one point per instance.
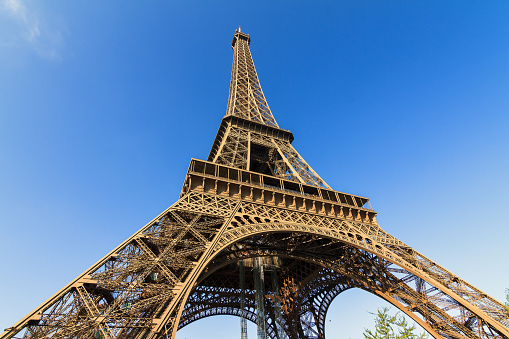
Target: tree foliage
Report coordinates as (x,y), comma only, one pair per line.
(392,327)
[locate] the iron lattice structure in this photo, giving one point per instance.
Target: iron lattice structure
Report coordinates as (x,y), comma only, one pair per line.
(256,203)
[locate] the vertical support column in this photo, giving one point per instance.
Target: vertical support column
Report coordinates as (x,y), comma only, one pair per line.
(248,165)
(260,297)
(243,321)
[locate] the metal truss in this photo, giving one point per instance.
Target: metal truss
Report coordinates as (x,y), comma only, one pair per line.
(246,98)
(251,150)
(308,291)
(256,197)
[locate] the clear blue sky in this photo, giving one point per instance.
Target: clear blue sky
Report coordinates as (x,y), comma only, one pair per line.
(103,104)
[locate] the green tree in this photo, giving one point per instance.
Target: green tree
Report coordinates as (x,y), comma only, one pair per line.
(392,327)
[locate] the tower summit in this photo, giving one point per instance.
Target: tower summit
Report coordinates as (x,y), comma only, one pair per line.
(256,233)
(246,98)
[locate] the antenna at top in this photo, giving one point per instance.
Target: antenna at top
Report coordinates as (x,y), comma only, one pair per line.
(238,29)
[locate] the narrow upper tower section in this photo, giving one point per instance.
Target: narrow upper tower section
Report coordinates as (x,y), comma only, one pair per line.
(246,98)
(249,137)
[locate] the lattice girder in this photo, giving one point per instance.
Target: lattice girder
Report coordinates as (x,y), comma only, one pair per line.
(396,291)
(378,243)
(246,99)
(249,136)
(134,290)
(251,146)
(255,197)
(180,243)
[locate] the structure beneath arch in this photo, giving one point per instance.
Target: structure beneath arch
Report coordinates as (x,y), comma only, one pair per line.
(256,198)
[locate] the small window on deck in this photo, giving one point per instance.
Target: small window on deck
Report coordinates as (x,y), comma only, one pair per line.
(255,179)
(199,167)
(210,169)
(310,190)
(233,174)
(223,172)
(271,182)
(291,186)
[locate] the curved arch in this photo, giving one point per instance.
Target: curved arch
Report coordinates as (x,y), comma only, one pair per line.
(215,306)
(410,261)
(199,307)
(327,284)
(331,293)
(363,252)
(434,316)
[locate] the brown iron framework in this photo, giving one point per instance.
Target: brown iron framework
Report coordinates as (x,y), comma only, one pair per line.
(256,197)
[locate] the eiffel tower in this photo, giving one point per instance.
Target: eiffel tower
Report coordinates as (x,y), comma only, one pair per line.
(256,233)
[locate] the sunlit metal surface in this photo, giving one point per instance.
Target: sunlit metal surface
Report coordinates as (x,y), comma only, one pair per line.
(256,200)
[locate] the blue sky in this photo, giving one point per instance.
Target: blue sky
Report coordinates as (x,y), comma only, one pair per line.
(103,104)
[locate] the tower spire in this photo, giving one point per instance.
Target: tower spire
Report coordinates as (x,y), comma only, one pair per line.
(246,99)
